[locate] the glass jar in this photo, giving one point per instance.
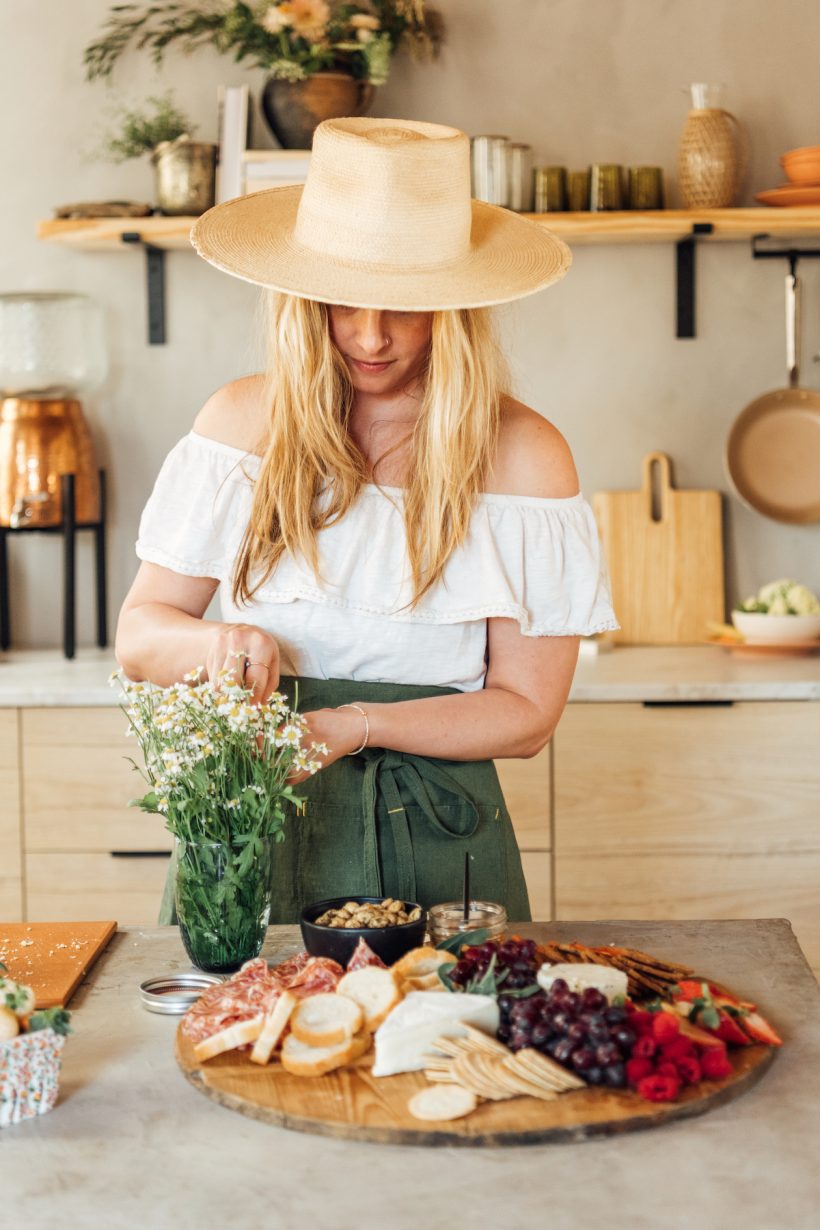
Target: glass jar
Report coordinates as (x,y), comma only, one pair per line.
(52,345)
(223,900)
(489,169)
(448,919)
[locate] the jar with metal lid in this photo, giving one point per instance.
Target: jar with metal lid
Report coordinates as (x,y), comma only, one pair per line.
(447,919)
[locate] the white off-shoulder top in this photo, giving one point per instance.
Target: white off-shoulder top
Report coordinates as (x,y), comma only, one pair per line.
(537,561)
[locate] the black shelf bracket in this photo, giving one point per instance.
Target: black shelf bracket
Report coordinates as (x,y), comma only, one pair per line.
(155,284)
(685,279)
(788,252)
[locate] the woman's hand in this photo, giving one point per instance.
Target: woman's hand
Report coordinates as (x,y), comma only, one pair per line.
(342,730)
(249,653)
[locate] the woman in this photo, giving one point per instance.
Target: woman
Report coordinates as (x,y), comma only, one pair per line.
(386,526)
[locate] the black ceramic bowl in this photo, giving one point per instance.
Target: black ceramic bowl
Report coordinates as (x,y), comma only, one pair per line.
(339,943)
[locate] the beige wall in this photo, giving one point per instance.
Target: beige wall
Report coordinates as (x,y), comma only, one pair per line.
(581,80)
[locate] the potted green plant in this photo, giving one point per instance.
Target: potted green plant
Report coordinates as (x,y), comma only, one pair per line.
(184,169)
(323,57)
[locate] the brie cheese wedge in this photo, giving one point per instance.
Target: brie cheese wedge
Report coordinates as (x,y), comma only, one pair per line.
(412,1027)
(610,982)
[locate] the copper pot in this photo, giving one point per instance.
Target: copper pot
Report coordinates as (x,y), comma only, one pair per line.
(40,440)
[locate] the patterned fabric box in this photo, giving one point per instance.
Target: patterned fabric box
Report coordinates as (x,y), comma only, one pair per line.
(29,1075)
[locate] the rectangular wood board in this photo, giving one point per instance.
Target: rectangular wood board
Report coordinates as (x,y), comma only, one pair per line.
(666,569)
(52,958)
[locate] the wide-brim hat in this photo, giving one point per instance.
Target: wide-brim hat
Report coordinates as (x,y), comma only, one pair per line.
(385,220)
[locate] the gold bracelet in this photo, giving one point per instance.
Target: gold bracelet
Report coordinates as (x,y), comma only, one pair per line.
(366,727)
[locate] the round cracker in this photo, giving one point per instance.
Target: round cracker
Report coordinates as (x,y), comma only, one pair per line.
(438,1103)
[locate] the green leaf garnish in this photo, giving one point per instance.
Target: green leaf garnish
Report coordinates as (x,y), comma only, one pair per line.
(454,942)
(51,1018)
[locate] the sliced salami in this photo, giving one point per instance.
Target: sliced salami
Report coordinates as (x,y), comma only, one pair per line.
(364,956)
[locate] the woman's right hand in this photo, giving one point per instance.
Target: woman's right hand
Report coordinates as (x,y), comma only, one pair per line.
(250,653)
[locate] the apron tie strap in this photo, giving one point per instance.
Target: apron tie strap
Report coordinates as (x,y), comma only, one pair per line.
(385,774)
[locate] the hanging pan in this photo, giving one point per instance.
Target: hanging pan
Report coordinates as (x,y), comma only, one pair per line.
(773,451)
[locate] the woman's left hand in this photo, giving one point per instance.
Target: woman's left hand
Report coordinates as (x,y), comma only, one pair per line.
(342,730)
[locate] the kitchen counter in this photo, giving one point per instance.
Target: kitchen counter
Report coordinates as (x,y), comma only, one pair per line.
(130,1142)
(626,673)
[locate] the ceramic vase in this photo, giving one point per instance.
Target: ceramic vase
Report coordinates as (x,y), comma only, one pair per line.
(293,109)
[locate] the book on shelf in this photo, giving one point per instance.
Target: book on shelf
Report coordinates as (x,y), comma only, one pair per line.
(273,168)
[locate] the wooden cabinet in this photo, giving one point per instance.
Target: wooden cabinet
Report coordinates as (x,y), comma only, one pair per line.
(527,787)
(87,854)
(690,811)
(11,868)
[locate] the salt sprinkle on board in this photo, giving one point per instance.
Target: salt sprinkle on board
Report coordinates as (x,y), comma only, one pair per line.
(52,958)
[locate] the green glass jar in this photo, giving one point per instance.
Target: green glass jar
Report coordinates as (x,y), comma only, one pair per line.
(606,187)
(645,188)
(578,191)
(550,189)
(223,901)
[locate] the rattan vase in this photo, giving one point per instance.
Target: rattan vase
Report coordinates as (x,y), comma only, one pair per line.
(710,159)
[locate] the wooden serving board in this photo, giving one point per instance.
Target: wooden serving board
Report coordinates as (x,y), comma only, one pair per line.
(52,958)
(354,1105)
(666,569)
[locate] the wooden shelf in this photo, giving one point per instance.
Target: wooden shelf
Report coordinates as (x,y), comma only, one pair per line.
(672,225)
(105,234)
(628,226)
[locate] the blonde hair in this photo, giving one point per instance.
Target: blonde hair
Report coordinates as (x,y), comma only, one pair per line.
(312,471)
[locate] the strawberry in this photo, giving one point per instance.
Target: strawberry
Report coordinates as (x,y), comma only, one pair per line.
(641,1022)
(715,1064)
(759,1029)
(665,1027)
(729,1029)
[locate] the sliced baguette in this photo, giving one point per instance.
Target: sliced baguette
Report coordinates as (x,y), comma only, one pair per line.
(275,1025)
(326,1019)
(374,990)
(421,961)
(229,1039)
(302,1060)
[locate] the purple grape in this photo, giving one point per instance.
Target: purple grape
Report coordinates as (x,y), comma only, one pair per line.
(559,987)
(506,1004)
(607,1053)
(615,1075)
(488,950)
(593,1001)
(624,1037)
(572,1002)
(577,1032)
(518,1039)
(615,1016)
(517,982)
(560,1049)
(470,954)
(594,1075)
(528,949)
(561,1021)
(582,1058)
(503,1034)
(540,1034)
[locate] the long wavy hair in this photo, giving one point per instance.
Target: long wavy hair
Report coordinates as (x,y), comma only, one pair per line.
(312,471)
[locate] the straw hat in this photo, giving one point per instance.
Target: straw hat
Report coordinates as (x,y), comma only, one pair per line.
(385,220)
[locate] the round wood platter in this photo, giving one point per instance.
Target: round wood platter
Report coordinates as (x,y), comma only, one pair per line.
(352,1104)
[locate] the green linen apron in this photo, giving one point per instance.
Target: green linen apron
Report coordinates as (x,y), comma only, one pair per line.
(385,823)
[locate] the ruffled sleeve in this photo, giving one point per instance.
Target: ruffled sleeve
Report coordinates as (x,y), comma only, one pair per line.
(197,513)
(538,561)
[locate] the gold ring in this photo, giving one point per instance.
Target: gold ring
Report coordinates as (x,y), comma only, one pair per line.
(264,665)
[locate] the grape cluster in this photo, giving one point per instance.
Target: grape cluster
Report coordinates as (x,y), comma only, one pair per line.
(514,968)
(581,1031)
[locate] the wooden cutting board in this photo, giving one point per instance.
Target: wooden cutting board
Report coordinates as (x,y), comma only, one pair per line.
(664,549)
(52,958)
(352,1104)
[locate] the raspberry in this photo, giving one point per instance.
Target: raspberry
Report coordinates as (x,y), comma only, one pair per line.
(665,1027)
(637,1069)
(714,1064)
(645,1048)
(641,1022)
(668,1069)
(680,1048)
(689,1070)
(659,1088)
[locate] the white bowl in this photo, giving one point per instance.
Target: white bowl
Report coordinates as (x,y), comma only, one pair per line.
(776,629)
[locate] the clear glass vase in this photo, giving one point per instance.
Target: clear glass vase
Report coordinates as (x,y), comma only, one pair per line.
(223,900)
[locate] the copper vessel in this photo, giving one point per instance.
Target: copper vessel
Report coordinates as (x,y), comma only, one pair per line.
(41,439)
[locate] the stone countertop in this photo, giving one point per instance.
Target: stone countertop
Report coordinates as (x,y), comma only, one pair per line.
(626,673)
(132,1143)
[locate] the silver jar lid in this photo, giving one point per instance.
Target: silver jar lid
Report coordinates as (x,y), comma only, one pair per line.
(173,994)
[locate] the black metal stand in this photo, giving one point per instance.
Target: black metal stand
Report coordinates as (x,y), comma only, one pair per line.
(68,529)
(789,252)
